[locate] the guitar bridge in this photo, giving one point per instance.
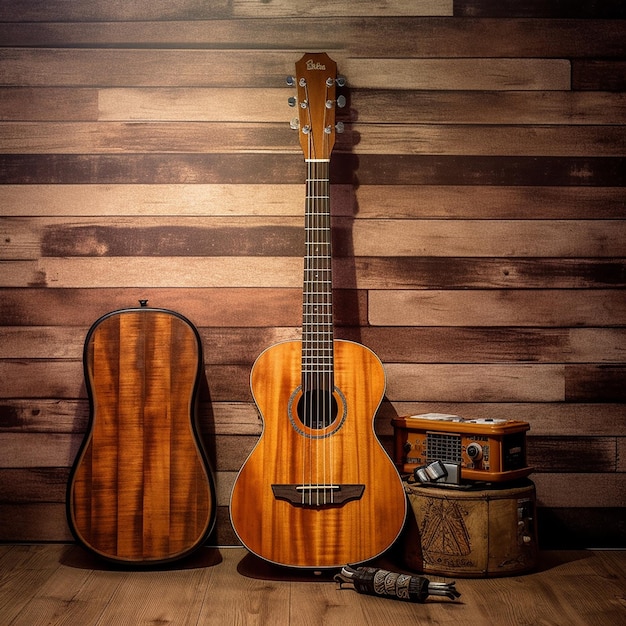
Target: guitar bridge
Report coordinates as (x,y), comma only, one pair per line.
(318,495)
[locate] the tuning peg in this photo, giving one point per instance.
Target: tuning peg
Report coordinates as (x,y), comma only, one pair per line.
(290,80)
(294,123)
(341,81)
(340,101)
(339,127)
(292,101)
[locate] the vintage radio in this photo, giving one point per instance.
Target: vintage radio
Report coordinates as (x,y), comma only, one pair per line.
(489,450)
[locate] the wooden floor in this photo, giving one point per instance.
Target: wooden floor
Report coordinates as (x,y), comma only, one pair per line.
(61,584)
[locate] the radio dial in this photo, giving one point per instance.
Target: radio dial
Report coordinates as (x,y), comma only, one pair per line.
(474,451)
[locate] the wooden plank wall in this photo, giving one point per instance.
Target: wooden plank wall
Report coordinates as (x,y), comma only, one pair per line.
(478,194)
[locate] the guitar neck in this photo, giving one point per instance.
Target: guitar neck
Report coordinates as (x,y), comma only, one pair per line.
(317,305)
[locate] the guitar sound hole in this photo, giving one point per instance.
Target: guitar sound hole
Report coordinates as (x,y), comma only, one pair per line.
(317,409)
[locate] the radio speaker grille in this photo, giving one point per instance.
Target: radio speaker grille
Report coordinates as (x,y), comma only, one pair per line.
(443,447)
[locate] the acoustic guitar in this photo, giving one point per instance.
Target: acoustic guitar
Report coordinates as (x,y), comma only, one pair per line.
(141,490)
(318,490)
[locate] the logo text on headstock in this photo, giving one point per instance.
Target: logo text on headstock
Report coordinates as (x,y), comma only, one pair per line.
(313,65)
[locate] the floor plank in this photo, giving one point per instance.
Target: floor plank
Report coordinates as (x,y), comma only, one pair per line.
(61,584)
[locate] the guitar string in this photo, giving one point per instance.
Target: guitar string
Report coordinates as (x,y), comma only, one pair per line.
(307,347)
(327,317)
(318,385)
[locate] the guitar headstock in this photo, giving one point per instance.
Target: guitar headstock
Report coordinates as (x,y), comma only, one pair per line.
(316,82)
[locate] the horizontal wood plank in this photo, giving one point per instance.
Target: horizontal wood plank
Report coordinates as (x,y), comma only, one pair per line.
(539,8)
(564,454)
(405,382)
(439,272)
(334,8)
(157,68)
(283,237)
(154,200)
(587,382)
(65,379)
(213,68)
(23,522)
(473,383)
(285,272)
(270,105)
(599,75)
(92,10)
(367,201)
(392,36)
(222,345)
(72,416)
(501,238)
(226,137)
(510,382)
(32,485)
(203,306)
(496,202)
(85,10)
(393,344)
(484,107)
(493,345)
(555,490)
(495,308)
(62,104)
(288,169)
(445,74)
(159,272)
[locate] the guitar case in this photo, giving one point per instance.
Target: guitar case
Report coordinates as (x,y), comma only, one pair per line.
(141,489)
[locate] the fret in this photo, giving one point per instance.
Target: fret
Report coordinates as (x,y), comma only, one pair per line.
(317,315)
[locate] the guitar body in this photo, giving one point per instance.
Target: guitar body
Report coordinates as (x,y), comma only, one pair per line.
(308,529)
(141,490)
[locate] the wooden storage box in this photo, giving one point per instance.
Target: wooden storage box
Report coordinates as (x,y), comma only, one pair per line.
(471,533)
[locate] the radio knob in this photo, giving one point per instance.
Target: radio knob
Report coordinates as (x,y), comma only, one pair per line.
(407,446)
(474,451)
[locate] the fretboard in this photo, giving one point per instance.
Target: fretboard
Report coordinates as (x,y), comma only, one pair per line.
(317,304)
